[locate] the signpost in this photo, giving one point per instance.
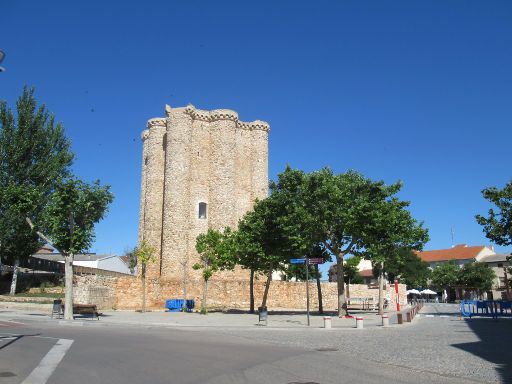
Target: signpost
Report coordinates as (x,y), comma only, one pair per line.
(307,262)
(397,297)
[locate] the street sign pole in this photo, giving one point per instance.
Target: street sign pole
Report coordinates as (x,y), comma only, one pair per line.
(307,287)
(397,296)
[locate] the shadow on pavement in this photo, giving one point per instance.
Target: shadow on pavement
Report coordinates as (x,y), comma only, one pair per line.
(13,339)
(494,345)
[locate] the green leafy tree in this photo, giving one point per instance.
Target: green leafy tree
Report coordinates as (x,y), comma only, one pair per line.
(347,214)
(498,224)
(249,254)
(408,268)
(69,218)
(476,276)
(34,156)
(144,254)
(217,252)
(129,252)
(262,245)
(393,231)
(16,200)
(445,276)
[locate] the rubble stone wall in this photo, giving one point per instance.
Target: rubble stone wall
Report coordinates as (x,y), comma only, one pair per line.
(126,293)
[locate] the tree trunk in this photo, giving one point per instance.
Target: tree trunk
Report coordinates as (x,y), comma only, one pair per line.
(205,293)
(68,289)
(267,286)
(14,280)
(342,300)
(381,288)
(348,288)
(251,292)
(319,288)
(143,278)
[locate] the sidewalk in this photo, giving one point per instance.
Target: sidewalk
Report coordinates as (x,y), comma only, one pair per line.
(276,319)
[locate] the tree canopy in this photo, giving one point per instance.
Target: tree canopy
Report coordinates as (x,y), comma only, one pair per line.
(73,210)
(408,268)
(498,224)
(345,213)
(445,275)
(34,157)
(476,276)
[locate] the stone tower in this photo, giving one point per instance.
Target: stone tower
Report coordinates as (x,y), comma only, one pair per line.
(200,170)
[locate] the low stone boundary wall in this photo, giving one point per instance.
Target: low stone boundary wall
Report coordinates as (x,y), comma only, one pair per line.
(95,289)
(409,313)
(25,299)
(126,293)
(45,308)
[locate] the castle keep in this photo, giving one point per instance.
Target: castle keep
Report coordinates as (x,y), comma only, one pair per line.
(200,170)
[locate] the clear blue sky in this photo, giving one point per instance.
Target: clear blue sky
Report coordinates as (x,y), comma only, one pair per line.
(419,91)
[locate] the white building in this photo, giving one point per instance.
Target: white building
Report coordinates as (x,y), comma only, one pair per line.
(105,262)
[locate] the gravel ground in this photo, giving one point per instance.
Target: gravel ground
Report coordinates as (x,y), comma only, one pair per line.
(477,350)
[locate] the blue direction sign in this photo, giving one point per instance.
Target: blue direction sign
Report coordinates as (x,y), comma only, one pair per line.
(297,261)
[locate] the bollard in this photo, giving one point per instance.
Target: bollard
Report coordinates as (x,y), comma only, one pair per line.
(327,322)
(409,317)
(400,318)
(385,320)
(359,322)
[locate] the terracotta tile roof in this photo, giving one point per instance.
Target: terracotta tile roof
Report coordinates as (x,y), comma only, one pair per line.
(458,252)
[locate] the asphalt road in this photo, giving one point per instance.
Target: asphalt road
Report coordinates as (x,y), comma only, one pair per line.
(36,353)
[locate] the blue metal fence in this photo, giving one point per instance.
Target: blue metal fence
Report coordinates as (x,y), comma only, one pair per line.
(486,308)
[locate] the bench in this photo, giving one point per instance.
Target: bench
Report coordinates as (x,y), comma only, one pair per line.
(84,309)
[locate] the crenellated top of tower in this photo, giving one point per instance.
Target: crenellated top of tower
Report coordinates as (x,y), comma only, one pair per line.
(221,114)
(156,122)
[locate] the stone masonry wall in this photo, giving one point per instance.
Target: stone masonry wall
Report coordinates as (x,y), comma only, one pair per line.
(94,289)
(125,293)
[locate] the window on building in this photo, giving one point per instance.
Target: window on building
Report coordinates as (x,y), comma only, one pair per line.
(202,210)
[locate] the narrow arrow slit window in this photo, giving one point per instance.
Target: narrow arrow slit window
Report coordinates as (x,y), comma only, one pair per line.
(202,210)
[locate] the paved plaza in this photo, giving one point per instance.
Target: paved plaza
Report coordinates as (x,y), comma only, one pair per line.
(129,347)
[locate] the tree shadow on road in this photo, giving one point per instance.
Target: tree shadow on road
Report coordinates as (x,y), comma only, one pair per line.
(13,338)
(494,345)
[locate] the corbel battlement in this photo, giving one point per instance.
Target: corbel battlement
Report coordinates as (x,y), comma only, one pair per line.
(225,114)
(156,122)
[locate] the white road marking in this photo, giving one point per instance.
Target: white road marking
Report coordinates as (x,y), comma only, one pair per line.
(48,364)
(429,315)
